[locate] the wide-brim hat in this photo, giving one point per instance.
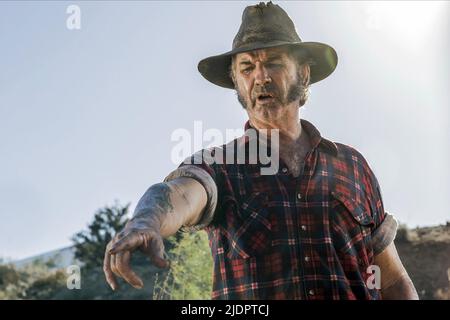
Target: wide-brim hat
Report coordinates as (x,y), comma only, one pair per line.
(267,26)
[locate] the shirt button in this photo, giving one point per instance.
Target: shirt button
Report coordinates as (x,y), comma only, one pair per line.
(311,292)
(307,259)
(303,227)
(299,196)
(284,170)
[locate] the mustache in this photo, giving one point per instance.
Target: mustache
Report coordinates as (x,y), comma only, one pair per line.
(269,88)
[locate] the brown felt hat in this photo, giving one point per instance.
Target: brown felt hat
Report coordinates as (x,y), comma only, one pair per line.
(267,25)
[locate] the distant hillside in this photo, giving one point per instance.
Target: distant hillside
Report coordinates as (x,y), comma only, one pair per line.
(425,253)
(57,259)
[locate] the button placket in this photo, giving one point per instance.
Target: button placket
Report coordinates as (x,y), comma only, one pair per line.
(303,248)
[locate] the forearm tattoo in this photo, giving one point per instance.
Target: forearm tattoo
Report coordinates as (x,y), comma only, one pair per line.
(154,203)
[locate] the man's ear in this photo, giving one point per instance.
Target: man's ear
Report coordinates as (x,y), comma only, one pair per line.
(231,72)
(233,78)
(305,72)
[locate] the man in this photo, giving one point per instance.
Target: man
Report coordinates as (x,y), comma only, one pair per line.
(315,229)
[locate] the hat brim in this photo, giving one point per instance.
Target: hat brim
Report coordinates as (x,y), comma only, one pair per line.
(323,61)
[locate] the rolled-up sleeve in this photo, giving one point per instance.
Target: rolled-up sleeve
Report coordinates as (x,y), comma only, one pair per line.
(384,234)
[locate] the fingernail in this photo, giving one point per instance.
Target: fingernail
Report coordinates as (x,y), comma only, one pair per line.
(139,286)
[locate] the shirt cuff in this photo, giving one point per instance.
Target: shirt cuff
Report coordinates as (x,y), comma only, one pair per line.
(205,179)
(384,234)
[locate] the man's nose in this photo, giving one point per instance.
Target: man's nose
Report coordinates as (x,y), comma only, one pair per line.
(262,77)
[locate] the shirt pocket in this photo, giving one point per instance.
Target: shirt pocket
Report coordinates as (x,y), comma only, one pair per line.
(252,233)
(351,227)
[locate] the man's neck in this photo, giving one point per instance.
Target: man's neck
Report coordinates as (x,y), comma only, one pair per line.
(288,126)
(293,143)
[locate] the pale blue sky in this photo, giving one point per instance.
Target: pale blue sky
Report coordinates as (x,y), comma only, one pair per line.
(86,115)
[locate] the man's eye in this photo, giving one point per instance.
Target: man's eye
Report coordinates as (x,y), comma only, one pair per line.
(247,70)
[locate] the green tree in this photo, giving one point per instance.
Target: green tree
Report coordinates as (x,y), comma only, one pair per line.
(13,282)
(8,275)
(46,287)
(90,244)
(190,275)
(32,281)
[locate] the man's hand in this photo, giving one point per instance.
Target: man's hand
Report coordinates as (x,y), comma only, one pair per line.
(118,253)
(162,210)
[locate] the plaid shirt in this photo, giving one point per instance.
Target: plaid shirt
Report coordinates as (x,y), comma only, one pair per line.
(285,237)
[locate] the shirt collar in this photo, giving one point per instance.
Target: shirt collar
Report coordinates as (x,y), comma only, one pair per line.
(316,140)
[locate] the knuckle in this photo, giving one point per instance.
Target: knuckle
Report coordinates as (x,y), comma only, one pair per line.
(125,244)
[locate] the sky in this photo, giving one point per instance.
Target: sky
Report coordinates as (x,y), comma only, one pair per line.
(86,115)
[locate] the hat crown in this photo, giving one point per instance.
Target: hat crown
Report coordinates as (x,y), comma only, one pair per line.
(265,22)
(264,26)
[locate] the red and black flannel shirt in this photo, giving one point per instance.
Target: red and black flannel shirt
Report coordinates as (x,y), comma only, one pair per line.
(281,237)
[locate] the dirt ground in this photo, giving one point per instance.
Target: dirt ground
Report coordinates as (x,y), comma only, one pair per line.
(425,253)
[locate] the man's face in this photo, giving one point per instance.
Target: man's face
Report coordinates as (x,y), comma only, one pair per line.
(268,82)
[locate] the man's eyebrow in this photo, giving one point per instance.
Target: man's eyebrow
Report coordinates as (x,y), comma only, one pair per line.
(274,57)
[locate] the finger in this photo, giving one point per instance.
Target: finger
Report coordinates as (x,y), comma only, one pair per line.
(114,267)
(123,266)
(110,279)
(115,264)
(127,243)
(157,252)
